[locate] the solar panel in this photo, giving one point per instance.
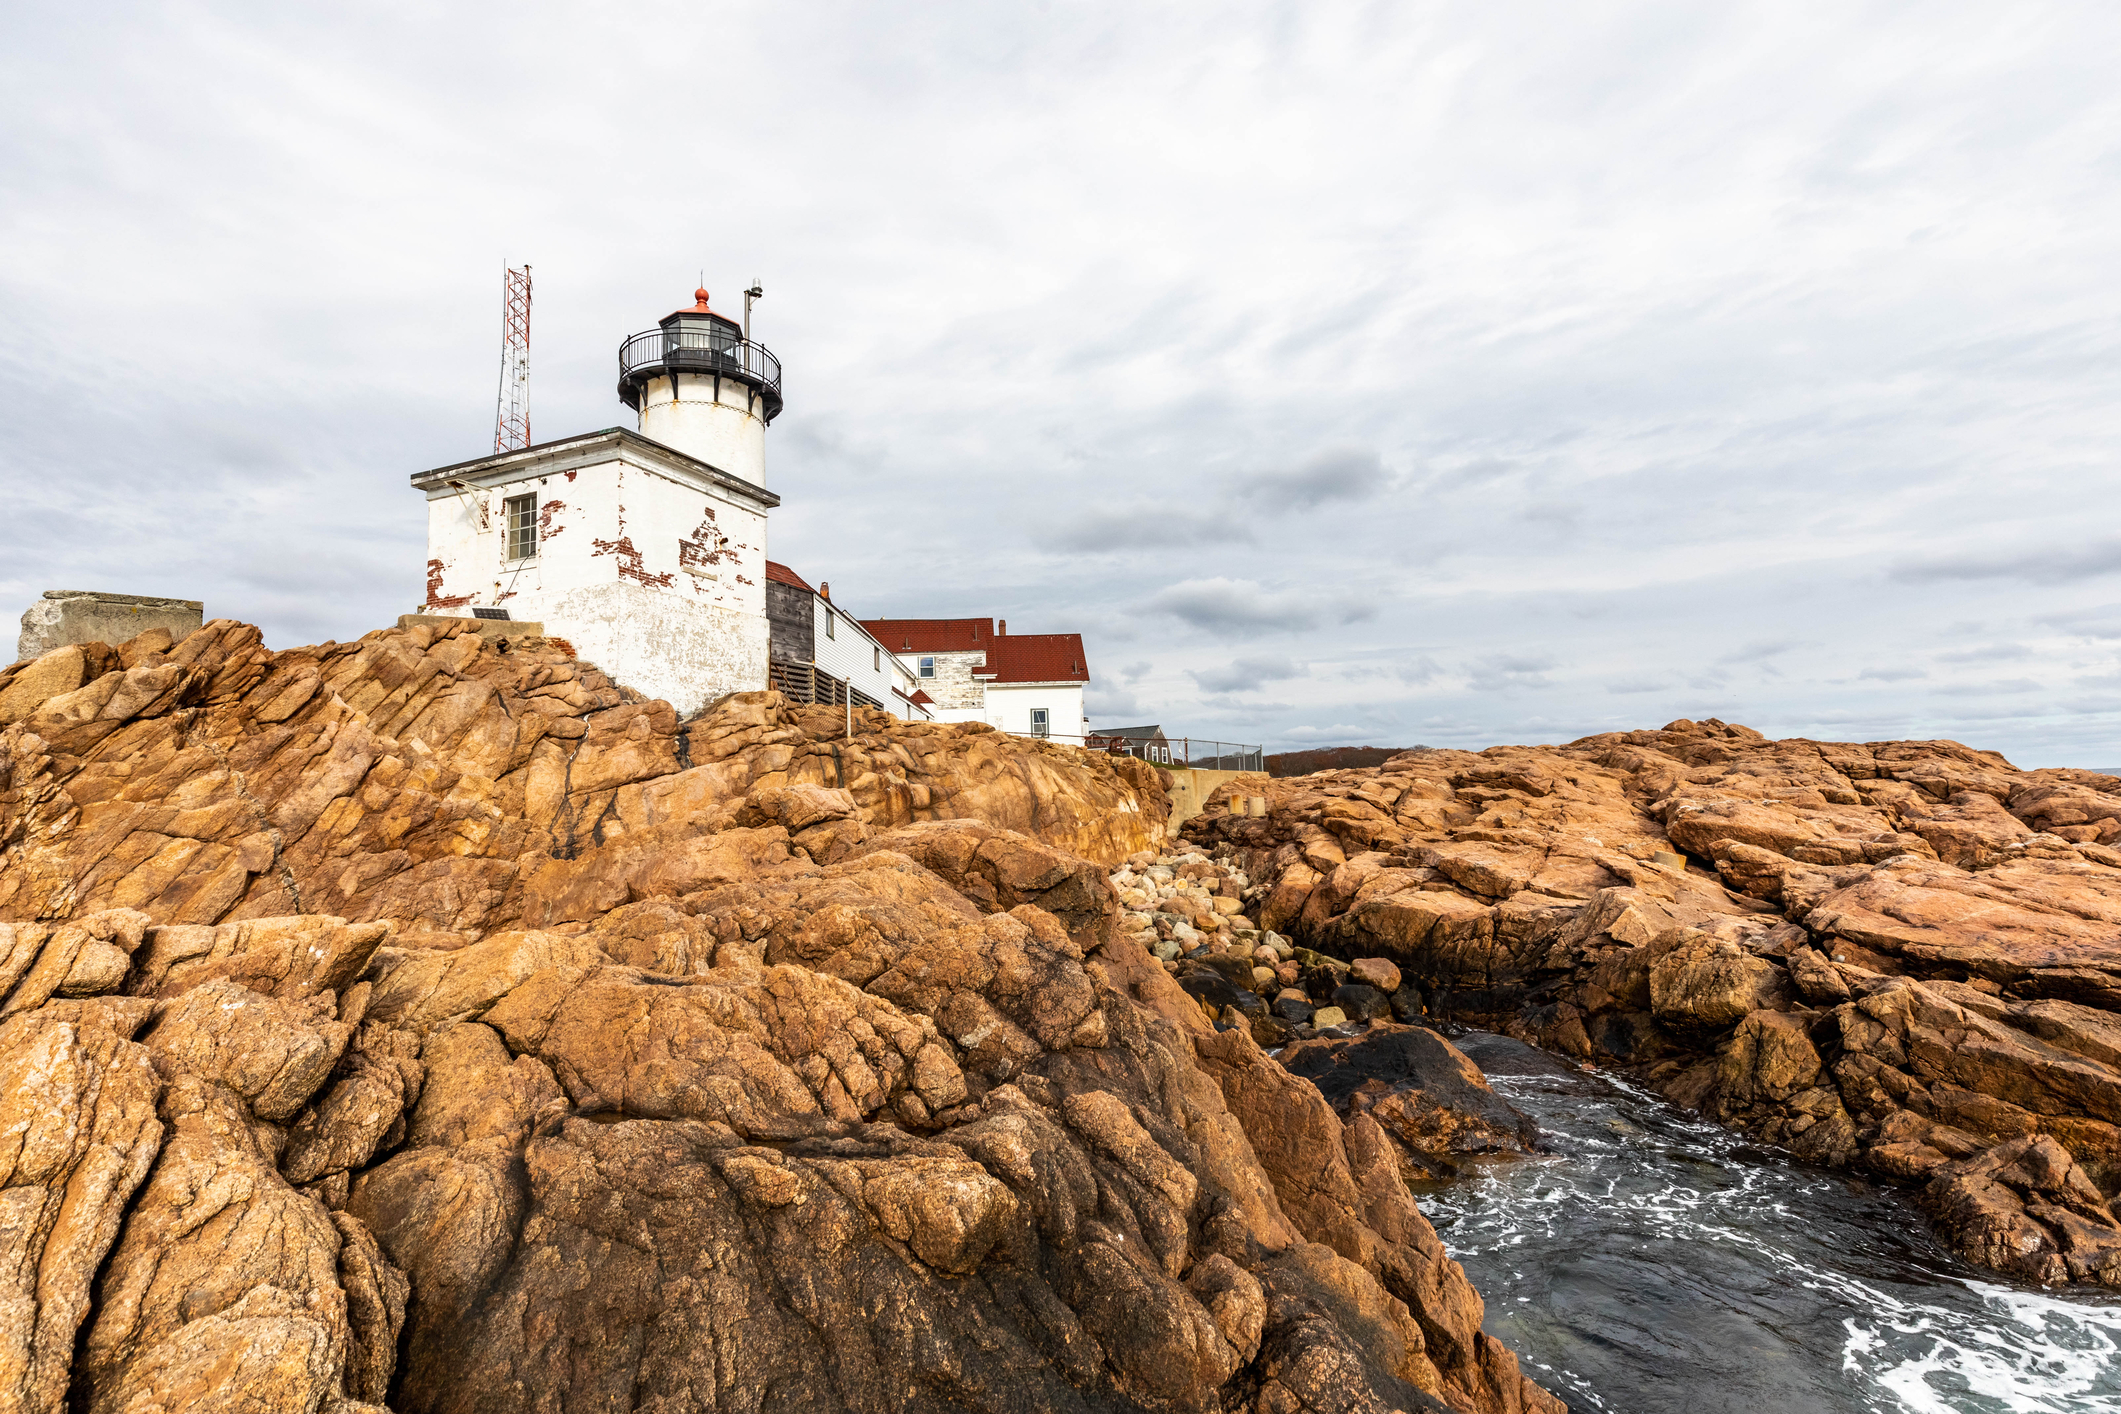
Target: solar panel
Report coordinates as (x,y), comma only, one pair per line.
(501,614)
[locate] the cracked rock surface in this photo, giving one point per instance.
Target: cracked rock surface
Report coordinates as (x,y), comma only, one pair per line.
(427,1024)
(1899,956)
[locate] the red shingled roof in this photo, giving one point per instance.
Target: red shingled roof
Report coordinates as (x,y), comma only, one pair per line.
(1014,657)
(1036,657)
(932,635)
(781,573)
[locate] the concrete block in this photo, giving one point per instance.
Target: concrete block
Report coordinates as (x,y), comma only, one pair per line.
(68,616)
(492,628)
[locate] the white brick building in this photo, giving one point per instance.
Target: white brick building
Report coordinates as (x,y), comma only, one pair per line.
(646,550)
(976,671)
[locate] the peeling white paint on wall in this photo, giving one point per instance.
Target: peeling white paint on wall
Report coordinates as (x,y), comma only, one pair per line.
(680,652)
(652,563)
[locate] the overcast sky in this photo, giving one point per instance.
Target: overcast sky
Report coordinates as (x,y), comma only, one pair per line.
(1451,373)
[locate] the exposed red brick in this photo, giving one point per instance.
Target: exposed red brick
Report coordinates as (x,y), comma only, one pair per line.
(630,562)
(435,598)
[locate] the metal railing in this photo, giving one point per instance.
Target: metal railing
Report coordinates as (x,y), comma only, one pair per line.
(1196,753)
(710,351)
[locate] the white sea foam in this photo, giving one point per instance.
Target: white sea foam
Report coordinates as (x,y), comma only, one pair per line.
(2040,1353)
(1811,1271)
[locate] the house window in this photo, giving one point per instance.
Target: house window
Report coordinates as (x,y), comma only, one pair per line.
(831,623)
(1041,722)
(927,667)
(520,515)
(876,660)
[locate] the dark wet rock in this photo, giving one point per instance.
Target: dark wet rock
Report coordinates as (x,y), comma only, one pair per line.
(1362,1003)
(1420,1088)
(1293,1009)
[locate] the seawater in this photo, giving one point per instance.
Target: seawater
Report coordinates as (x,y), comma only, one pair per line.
(1653,1262)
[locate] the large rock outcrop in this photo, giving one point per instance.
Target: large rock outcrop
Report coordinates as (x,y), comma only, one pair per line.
(459,785)
(426,1024)
(1904,956)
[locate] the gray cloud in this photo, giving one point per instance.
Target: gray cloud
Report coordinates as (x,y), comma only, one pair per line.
(1222,605)
(1142,525)
(2103,622)
(1760,651)
(1988,689)
(1503,672)
(1247,674)
(1635,685)
(1561,514)
(1339,474)
(1892,674)
(2045,564)
(1111,706)
(1993,653)
(1332,734)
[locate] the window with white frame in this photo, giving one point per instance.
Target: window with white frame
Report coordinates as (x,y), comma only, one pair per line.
(927,666)
(876,660)
(831,624)
(1041,722)
(519,515)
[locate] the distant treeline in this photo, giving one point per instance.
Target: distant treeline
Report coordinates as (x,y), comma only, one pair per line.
(1331,758)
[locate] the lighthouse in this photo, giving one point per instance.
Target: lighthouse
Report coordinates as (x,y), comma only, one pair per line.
(643,547)
(699,385)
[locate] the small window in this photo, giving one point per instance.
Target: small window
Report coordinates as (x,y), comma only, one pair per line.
(831,624)
(520,515)
(876,660)
(1041,722)
(927,667)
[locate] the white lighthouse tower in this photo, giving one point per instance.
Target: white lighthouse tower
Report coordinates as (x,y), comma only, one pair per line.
(646,550)
(700,386)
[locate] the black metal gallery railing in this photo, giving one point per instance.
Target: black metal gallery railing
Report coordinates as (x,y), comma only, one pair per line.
(658,352)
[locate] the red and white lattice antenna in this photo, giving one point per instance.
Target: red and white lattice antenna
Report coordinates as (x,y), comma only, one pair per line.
(511,423)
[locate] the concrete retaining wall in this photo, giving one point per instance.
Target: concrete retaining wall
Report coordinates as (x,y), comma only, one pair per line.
(1190,789)
(67,616)
(491,628)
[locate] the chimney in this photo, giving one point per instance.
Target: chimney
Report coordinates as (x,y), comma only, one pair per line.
(824,590)
(1002,630)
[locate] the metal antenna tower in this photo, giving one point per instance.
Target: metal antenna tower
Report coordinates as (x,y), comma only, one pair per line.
(511,422)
